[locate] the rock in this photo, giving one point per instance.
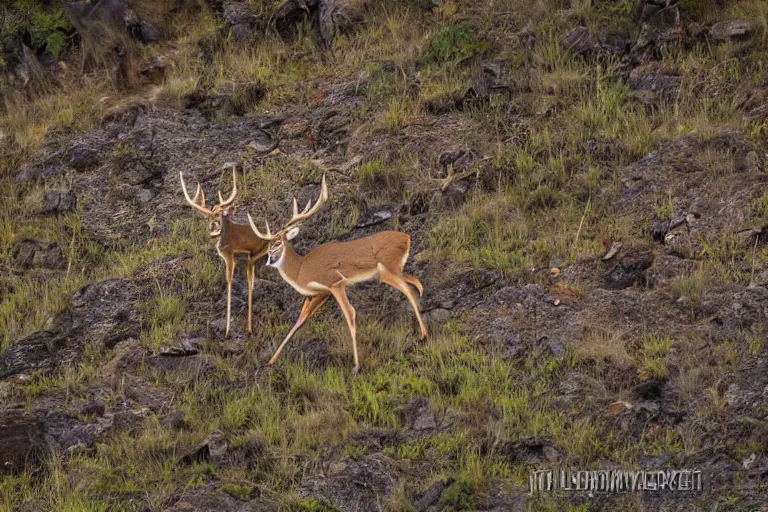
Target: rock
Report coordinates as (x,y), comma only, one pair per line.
(214,449)
(146,32)
(579,41)
(100,314)
(627,272)
(659,25)
(425,419)
(439,315)
(556,347)
(239,21)
(512,347)
(22,442)
(373,218)
(82,158)
(732,30)
(432,495)
(209,499)
(36,254)
(338,17)
(530,450)
(59,202)
(175,420)
(613,42)
(653,78)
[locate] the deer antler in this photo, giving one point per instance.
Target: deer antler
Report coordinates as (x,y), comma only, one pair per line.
(269,236)
(307,211)
(231,198)
(198,202)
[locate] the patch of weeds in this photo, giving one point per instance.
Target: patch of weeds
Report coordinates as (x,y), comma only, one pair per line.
(651,360)
(308,505)
(460,495)
(243,492)
(388,180)
(454,44)
(162,317)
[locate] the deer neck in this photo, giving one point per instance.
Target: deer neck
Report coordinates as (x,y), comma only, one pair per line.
(289,265)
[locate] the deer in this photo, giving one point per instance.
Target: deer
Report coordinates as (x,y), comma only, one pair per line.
(233,239)
(330,268)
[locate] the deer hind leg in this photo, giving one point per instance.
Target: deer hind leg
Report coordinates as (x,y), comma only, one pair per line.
(340,294)
(310,307)
(400,282)
(415,282)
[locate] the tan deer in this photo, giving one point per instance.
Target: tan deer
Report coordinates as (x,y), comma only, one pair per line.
(328,269)
(233,239)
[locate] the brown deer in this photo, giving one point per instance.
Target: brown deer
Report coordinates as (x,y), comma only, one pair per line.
(328,269)
(233,239)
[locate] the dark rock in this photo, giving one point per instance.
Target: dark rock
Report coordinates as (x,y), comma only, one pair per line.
(22,442)
(659,230)
(82,158)
(146,32)
(373,218)
(653,78)
(450,156)
(59,202)
(556,347)
(239,21)
(175,420)
(732,29)
(579,41)
(627,272)
(101,314)
(36,254)
(530,450)
(659,25)
(513,346)
(432,495)
(338,17)
(613,42)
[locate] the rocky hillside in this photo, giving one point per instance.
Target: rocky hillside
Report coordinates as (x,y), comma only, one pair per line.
(584,183)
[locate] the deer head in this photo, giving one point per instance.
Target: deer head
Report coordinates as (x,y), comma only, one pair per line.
(289,231)
(218,211)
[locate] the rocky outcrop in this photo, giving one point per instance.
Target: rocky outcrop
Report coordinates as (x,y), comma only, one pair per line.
(100,314)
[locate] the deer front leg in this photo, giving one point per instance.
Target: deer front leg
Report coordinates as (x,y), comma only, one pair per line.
(310,307)
(230,264)
(250,272)
(340,294)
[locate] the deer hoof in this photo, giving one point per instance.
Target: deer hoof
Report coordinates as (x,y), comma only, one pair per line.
(355,370)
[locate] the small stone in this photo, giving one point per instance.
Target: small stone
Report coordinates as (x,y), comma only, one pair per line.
(732,29)
(556,347)
(425,419)
(82,158)
(59,202)
(579,41)
(440,315)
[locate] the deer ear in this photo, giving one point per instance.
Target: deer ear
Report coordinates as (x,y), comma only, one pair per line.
(291,234)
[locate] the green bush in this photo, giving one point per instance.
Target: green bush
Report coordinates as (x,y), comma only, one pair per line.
(454,44)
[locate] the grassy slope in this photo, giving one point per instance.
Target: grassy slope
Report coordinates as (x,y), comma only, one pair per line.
(558,191)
